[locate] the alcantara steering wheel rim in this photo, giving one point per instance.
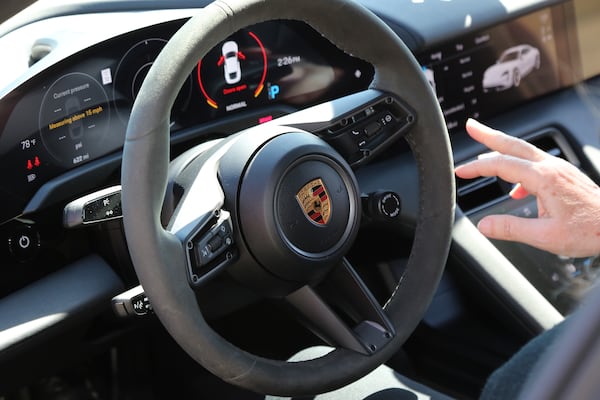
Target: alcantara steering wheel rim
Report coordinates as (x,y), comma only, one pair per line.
(158,256)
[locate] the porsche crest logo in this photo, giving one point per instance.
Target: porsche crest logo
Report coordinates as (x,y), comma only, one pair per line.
(314,200)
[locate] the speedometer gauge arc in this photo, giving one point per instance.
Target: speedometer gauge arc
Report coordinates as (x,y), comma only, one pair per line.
(131,72)
(233,73)
(261,85)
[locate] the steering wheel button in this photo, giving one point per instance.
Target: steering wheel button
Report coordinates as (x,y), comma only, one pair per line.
(224,230)
(206,250)
(372,129)
(203,255)
(387,118)
(215,243)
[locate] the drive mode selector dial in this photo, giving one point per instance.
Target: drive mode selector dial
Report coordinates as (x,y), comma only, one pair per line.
(382,205)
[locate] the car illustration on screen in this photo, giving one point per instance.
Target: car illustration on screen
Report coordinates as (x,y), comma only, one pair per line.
(514,64)
(231,67)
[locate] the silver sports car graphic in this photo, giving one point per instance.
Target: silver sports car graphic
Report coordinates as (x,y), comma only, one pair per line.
(514,64)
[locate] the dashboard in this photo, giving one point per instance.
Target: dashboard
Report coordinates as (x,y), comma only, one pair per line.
(529,68)
(63,119)
(76,110)
(64,115)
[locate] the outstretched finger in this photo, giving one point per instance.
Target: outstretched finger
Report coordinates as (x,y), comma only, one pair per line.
(502,143)
(511,169)
(532,231)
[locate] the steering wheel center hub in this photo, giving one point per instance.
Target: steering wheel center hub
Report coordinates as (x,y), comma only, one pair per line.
(312,206)
(299,206)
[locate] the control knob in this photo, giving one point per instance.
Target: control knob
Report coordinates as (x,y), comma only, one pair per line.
(382,205)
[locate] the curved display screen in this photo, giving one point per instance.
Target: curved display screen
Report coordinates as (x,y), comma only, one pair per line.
(482,74)
(77,111)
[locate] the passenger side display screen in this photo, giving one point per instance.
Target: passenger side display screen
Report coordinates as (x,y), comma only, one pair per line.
(481,74)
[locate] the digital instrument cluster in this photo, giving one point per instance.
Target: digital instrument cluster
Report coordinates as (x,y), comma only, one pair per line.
(77,111)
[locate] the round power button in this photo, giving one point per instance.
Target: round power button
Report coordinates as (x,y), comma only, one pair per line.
(24,243)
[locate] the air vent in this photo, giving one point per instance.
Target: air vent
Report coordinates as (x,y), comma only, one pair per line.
(472,195)
(553,142)
(549,145)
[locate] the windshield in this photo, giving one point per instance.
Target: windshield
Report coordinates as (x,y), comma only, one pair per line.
(12,7)
(509,56)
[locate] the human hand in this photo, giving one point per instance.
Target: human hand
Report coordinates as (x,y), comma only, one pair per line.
(568,221)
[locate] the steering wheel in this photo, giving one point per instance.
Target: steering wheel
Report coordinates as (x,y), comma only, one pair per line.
(250,202)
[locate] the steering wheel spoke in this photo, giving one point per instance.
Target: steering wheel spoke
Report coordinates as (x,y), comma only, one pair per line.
(346,314)
(193,212)
(210,248)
